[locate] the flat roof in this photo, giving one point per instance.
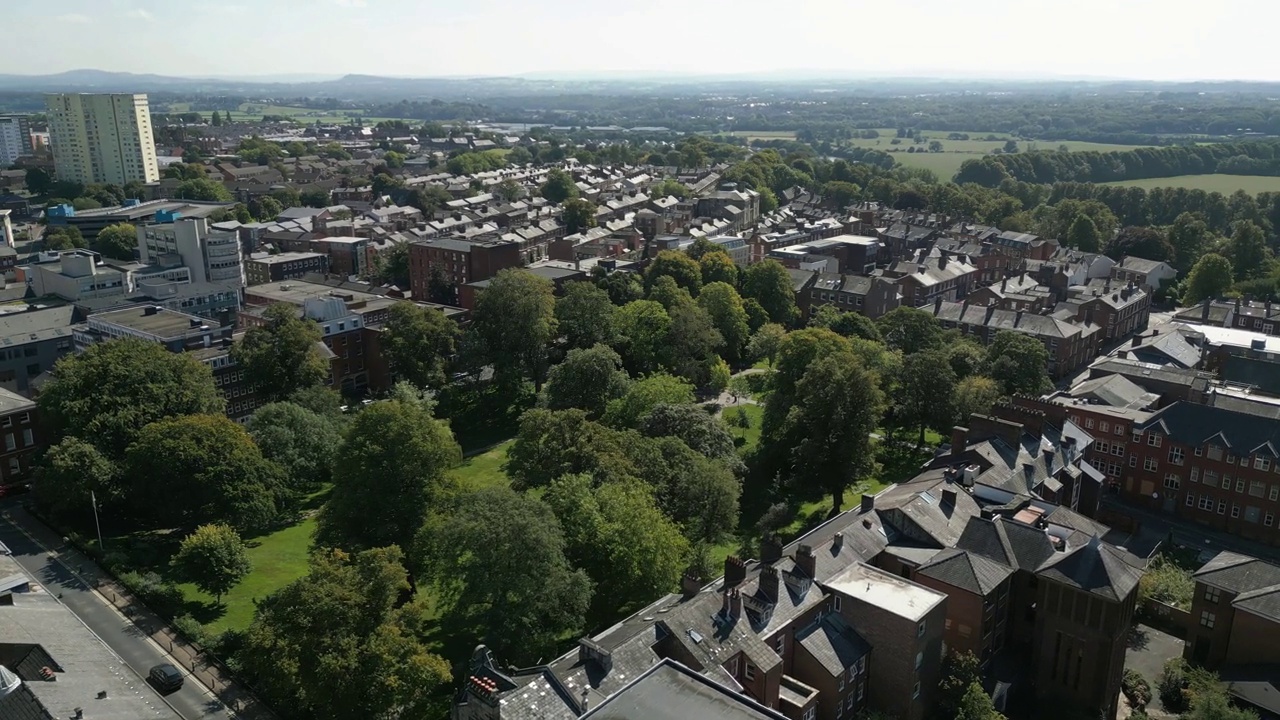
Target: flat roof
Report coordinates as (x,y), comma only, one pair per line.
(297,292)
(19,328)
(285,257)
(886,591)
(161,322)
(88,666)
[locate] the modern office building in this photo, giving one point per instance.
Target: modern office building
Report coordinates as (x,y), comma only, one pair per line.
(15,139)
(211,251)
(102,138)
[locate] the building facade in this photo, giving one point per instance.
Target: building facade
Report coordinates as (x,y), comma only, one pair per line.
(102,138)
(211,252)
(284,266)
(15,139)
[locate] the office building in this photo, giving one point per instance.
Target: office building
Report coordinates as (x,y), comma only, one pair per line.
(15,139)
(102,138)
(210,251)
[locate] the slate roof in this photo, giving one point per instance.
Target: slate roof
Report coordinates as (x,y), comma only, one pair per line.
(1194,424)
(834,644)
(916,509)
(1173,346)
(1115,391)
(1264,602)
(1140,265)
(1257,685)
(1237,573)
(967,571)
(1023,322)
(671,691)
(1097,568)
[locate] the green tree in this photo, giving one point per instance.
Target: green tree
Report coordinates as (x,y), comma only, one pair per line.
(1143,242)
(623,287)
(559,187)
(1083,235)
(215,119)
(691,344)
(976,703)
(679,267)
(769,284)
(757,317)
(282,356)
(63,237)
(586,316)
(116,241)
(800,349)
(698,493)
(202,189)
(393,159)
(508,190)
(646,394)
(717,266)
(345,619)
(69,472)
(417,342)
(848,324)
(1209,278)
(910,330)
(667,293)
(587,379)
(515,320)
(839,195)
(578,215)
(724,306)
(643,326)
(195,469)
(393,465)
(1248,247)
(299,440)
(719,375)
(965,357)
(960,670)
(513,582)
(703,432)
(315,197)
(213,558)
(826,431)
(391,266)
(619,536)
(975,394)
(320,400)
(39,181)
(265,208)
(555,443)
(1018,363)
(108,393)
(924,392)
(1189,235)
(766,341)
(670,187)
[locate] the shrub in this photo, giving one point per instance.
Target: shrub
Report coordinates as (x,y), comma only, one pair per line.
(1136,688)
(192,630)
(1173,681)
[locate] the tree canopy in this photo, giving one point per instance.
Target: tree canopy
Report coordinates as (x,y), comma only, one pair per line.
(418,342)
(586,316)
(515,320)
(116,241)
(300,440)
(587,379)
(213,558)
(769,284)
(281,356)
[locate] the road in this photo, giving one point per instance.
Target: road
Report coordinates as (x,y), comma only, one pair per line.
(137,651)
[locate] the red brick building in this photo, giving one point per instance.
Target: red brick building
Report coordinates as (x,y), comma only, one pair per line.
(458,262)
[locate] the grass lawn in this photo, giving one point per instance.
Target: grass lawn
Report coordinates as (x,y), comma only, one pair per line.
(755,414)
(485,469)
(1225,184)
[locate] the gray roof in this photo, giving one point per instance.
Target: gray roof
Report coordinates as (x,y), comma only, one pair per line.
(671,691)
(1237,573)
(24,327)
(1115,391)
(834,644)
(967,571)
(1096,567)
(1193,424)
(1257,685)
(1264,602)
(1173,347)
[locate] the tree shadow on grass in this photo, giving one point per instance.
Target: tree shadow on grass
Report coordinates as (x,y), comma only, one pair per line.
(204,611)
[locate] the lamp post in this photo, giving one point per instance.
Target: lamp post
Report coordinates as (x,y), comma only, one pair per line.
(94,499)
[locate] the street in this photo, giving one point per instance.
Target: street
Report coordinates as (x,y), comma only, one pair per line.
(137,651)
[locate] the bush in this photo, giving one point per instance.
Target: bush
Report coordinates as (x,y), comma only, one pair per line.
(161,596)
(1136,688)
(1173,682)
(192,630)
(1167,582)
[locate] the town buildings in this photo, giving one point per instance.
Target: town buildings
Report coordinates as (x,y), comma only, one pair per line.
(15,138)
(264,268)
(21,435)
(1235,613)
(211,252)
(102,138)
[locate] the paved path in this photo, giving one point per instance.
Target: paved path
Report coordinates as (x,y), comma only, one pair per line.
(42,554)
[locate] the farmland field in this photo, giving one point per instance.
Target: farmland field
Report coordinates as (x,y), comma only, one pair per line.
(765,134)
(1225,184)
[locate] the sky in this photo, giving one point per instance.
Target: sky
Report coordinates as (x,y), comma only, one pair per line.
(1137,39)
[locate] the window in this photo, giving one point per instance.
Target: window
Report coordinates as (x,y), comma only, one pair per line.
(1210,478)
(1206,503)
(919,660)
(837,605)
(15,466)
(1171,481)
(749,671)
(1119,429)
(1199,452)
(811,713)
(1222,507)
(840,688)
(1195,475)
(1231,459)
(1175,455)
(781,644)
(1207,619)
(1104,426)
(8,421)
(1215,452)
(9,442)
(1117,450)
(1149,464)
(839,709)
(1262,463)
(1251,514)
(1235,510)
(1102,446)
(862,689)
(1226,482)
(1154,439)
(915,691)
(1257,488)
(920,629)
(1133,461)
(1275,493)
(1088,423)
(1269,520)
(1137,436)
(28,439)
(1239,485)
(1212,594)
(733,666)
(1191,500)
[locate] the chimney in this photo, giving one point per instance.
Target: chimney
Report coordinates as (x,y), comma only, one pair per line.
(806,561)
(1237,306)
(1048,458)
(690,584)
(937,305)
(1204,311)
(942,262)
(735,571)
(868,503)
(959,438)
(920,269)
(948,497)
(1003,283)
(837,541)
(735,604)
(769,582)
(1137,340)
(770,548)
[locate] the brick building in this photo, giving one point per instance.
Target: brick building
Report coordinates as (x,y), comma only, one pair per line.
(22,438)
(1235,613)
(264,268)
(1071,346)
(458,262)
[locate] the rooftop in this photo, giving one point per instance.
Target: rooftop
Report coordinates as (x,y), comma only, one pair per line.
(884,590)
(159,322)
(671,691)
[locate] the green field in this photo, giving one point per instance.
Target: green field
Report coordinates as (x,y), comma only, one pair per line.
(485,469)
(1225,184)
(255,111)
(751,435)
(764,134)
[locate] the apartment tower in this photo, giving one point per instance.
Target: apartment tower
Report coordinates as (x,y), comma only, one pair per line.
(102,138)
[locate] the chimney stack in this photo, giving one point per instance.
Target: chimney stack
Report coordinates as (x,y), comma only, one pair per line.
(735,571)
(868,503)
(770,548)
(735,604)
(806,561)
(948,497)
(690,584)
(838,541)
(769,582)
(959,439)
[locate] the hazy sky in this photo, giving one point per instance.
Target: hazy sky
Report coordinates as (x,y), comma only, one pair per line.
(1155,39)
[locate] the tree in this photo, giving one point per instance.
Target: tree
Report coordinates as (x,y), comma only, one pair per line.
(719,375)
(63,237)
(644,395)
(1189,236)
(698,493)
(1209,278)
(281,356)
(910,330)
(587,379)
(766,341)
(1248,248)
(679,267)
(848,324)
(717,266)
(555,443)
(417,342)
(345,619)
(643,326)
(116,241)
(39,181)
(215,119)
(1018,363)
(106,394)
(559,186)
(1083,235)
(670,187)
(513,580)
(960,670)
(667,293)
(202,189)
(213,558)
(839,195)
(299,440)
(320,400)
(975,394)
(826,431)
(71,474)
(976,703)
(578,215)
(195,469)
(623,287)
(393,159)
(508,190)
(1143,242)
(393,465)
(391,266)
(691,344)
(619,536)
(769,284)
(924,392)
(586,316)
(703,432)
(515,320)
(724,306)
(315,197)
(265,208)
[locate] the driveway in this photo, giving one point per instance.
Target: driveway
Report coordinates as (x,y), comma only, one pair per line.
(1147,652)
